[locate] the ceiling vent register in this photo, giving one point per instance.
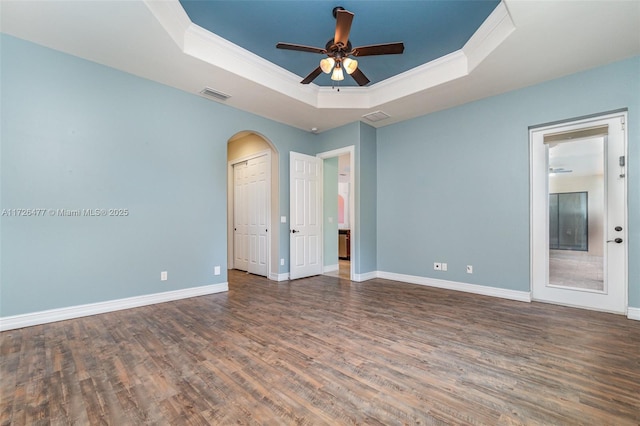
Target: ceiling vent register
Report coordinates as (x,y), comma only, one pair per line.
(214,94)
(376,116)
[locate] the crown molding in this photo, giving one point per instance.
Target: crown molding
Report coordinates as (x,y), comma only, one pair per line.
(213,49)
(493,31)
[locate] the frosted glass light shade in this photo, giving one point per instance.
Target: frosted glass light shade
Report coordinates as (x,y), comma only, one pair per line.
(337,75)
(349,65)
(326,64)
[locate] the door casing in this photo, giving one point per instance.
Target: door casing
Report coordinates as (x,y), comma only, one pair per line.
(352,189)
(539,207)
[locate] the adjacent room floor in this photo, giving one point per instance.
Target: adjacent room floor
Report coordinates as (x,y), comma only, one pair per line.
(577,269)
(343,271)
(325,350)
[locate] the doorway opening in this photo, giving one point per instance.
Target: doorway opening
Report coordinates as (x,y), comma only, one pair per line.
(339,213)
(252,164)
(579,213)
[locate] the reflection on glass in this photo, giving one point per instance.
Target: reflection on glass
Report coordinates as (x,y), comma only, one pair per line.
(568,225)
(576,214)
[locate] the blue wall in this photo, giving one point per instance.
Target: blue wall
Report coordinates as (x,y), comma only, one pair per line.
(363,138)
(330,211)
(366,181)
(78,135)
(453,186)
(450,186)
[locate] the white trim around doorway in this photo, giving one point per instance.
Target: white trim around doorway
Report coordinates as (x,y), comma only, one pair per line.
(355,252)
(539,268)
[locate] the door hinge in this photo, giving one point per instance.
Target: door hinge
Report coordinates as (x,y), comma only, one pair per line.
(621,123)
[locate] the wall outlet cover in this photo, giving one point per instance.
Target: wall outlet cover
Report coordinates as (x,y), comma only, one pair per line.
(437,266)
(469,269)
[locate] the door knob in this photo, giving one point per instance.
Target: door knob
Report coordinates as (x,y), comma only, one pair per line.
(617,240)
(618,228)
(293,231)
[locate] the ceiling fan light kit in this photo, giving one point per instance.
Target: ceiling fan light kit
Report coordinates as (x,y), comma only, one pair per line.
(327,64)
(350,65)
(338,50)
(337,74)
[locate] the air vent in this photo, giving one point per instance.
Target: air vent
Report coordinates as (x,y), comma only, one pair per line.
(376,116)
(214,94)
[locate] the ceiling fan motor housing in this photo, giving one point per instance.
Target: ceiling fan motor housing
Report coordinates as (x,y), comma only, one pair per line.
(336,51)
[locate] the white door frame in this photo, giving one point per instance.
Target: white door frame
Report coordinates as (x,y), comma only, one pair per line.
(539,234)
(230,204)
(351,150)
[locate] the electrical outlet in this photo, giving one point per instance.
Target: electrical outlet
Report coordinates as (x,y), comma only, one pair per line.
(216,270)
(163,276)
(444,266)
(469,269)
(282,262)
(437,266)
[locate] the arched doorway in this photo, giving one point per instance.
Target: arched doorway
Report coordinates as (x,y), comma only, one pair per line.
(252,204)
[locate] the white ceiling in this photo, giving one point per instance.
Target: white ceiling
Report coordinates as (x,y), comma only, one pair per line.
(521,44)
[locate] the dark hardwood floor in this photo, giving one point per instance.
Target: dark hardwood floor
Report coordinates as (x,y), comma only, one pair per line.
(326,351)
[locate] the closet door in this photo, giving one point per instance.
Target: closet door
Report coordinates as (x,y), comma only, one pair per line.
(240,217)
(258,205)
(251,215)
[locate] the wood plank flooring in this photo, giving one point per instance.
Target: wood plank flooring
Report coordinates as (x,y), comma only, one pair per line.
(326,351)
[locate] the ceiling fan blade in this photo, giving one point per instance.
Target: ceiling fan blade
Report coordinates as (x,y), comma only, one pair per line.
(379,49)
(359,77)
(343,26)
(300,48)
(312,76)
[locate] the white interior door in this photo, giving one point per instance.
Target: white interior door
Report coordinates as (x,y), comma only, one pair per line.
(251,215)
(305,204)
(258,186)
(609,133)
(240,216)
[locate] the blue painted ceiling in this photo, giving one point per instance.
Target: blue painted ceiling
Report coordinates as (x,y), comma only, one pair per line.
(429,29)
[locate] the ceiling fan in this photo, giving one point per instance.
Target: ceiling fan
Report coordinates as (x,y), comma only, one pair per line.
(339,50)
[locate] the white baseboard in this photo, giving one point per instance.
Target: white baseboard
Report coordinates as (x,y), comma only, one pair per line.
(331,268)
(279,277)
(60,314)
(633,313)
(366,276)
(521,296)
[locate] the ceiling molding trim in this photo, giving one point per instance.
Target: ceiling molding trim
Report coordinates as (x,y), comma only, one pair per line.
(217,51)
(439,71)
(221,53)
(202,44)
(494,30)
(172,17)
(348,97)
